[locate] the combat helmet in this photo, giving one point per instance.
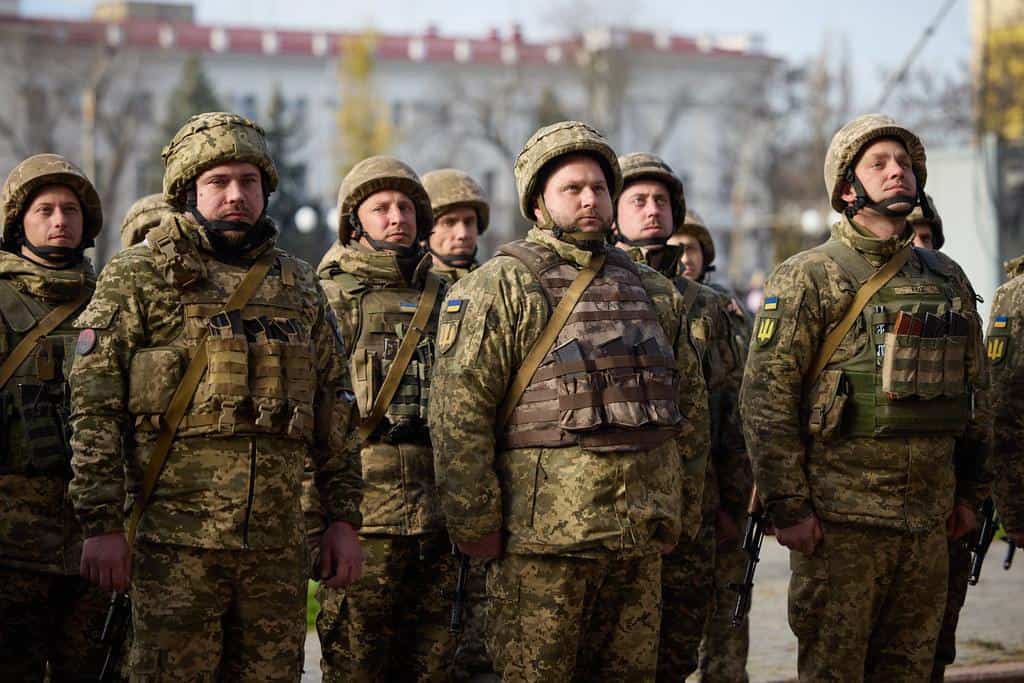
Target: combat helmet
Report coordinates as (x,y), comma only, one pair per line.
(845,149)
(550,143)
(27,177)
(641,166)
(450,187)
(935,220)
(144,215)
(375,174)
(207,140)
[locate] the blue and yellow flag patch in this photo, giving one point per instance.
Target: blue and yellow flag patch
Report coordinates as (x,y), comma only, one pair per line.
(453,306)
(771,303)
(1000,322)
(407,307)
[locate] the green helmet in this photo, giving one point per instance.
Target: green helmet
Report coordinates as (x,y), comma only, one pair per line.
(640,166)
(695,226)
(39,171)
(207,140)
(852,138)
(917,216)
(144,215)
(450,187)
(375,174)
(558,140)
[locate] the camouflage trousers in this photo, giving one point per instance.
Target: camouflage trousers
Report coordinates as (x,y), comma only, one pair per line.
(687,593)
(723,652)
(228,615)
(471,658)
(556,618)
(867,605)
(50,619)
(392,625)
(959,571)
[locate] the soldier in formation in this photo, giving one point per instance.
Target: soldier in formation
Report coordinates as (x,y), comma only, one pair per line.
(461,214)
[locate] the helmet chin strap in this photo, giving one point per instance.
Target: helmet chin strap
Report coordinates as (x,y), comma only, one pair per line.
(454,260)
(588,241)
(898,206)
(358,233)
(61,257)
(215,229)
(645,242)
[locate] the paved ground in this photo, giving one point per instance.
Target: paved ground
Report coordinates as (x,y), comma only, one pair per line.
(991,625)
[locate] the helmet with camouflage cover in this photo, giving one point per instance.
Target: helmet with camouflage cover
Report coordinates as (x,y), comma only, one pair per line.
(39,171)
(850,141)
(450,187)
(375,174)
(144,215)
(641,166)
(695,226)
(558,140)
(207,140)
(935,221)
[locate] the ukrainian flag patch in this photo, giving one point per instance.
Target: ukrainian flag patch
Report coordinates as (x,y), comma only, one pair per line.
(453,306)
(1000,321)
(771,303)
(407,306)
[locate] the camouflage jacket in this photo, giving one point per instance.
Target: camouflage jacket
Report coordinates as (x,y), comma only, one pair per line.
(38,528)
(400,494)
(567,501)
(450,273)
(897,482)
(1006,357)
(225,490)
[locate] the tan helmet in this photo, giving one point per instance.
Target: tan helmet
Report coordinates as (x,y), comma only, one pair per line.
(935,221)
(852,138)
(144,215)
(207,140)
(38,171)
(557,140)
(640,166)
(375,174)
(450,187)
(695,226)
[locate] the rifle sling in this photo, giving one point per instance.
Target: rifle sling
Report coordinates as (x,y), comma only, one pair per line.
(48,324)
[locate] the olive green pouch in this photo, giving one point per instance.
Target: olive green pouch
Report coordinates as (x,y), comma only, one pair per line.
(899,369)
(954,373)
(828,398)
(930,361)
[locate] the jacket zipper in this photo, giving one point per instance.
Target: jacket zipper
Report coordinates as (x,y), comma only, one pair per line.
(252,491)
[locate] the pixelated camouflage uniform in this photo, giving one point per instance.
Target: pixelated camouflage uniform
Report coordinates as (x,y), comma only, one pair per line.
(868,603)
(451,188)
(144,215)
(392,624)
(219,563)
(576,595)
(51,616)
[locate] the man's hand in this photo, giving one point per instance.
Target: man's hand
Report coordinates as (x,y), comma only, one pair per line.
(341,556)
(961,521)
(487,548)
(106,561)
(727,533)
(802,536)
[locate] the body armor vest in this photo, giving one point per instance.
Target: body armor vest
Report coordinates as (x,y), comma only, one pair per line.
(35,403)
(384,317)
(898,384)
(609,382)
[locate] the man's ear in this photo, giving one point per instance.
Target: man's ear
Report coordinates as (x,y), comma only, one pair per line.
(847,193)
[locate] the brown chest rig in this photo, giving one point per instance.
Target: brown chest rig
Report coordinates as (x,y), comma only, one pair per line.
(609,382)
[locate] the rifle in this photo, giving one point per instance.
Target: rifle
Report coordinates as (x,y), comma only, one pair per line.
(1011,548)
(459,599)
(115,628)
(753,537)
(984,540)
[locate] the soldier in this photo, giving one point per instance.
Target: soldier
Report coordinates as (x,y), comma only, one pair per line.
(461,215)
(144,215)
(393,624)
(927,229)
(857,412)
(49,214)
(652,205)
(571,451)
(218,567)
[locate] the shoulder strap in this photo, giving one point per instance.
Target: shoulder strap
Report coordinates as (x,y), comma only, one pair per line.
(186,390)
(688,288)
(547,337)
(45,326)
(874,283)
(402,357)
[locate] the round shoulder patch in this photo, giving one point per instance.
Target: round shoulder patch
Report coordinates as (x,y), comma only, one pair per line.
(86,341)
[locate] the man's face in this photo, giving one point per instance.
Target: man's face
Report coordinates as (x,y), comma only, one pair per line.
(923,236)
(388,216)
(692,258)
(231,192)
(577,195)
(54,218)
(885,170)
(645,211)
(455,232)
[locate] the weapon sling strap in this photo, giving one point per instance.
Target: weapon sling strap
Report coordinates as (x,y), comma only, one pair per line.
(547,337)
(186,389)
(48,324)
(870,287)
(402,357)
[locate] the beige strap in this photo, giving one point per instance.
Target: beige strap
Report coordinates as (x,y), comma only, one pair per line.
(186,389)
(402,358)
(547,337)
(864,294)
(48,324)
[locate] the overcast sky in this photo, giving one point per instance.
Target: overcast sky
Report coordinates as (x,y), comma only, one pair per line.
(880,33)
